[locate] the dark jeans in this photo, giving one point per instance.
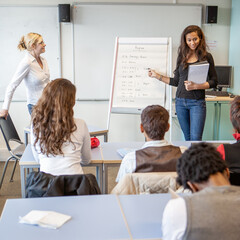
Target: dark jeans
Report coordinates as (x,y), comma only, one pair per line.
(30,107)
(191,115)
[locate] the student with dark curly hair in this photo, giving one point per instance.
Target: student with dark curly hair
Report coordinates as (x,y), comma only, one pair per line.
(231,152)
(205,213)
(60,142)
(190,96)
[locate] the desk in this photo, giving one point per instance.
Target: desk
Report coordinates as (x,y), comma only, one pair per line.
(27,162)
(98,217)
(103,157)
(94,131)
(218,101)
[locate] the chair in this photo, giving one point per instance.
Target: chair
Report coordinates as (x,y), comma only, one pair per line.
(146,183)
(10,135)
(40,184)
(234,178)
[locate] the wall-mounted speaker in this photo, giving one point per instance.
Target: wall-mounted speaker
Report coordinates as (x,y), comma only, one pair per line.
(211,14)
(64,11)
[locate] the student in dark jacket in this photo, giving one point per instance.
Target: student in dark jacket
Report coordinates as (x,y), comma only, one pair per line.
(231,152)
(190,96)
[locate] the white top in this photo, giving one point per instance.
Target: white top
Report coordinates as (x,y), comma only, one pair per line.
(69,163)
(128,164)
(35,79)
(174,221)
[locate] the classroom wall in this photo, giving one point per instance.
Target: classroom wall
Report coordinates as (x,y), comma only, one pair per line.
(122,127)
(234,45)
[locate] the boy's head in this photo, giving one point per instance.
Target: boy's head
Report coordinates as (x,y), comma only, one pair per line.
(235,113)
(154,121)
(197,164)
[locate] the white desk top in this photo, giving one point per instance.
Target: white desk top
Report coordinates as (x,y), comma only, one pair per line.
(93,217)
(144,214)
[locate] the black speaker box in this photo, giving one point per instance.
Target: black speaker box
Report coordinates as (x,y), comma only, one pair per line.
(64,12)
(211,14)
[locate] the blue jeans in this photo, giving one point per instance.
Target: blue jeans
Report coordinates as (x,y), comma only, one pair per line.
(191,115)
(30,107)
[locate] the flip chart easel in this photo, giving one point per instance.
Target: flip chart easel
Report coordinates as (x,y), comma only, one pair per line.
(132,90)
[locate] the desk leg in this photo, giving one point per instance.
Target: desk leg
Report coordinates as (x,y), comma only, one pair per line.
(105,137)
(218,120)
(26,138)
(217,114)
(22,176)
(99,176)
(105,178)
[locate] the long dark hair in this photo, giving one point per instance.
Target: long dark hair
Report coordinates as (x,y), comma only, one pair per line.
(183,50)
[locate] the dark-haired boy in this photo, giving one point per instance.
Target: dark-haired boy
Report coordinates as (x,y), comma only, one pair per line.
(212,211)
(156,154)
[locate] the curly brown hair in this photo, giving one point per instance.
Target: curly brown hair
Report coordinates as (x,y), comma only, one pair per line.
(52,117)
(183,50)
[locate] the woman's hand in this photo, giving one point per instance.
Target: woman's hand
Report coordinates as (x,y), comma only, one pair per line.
(153,74)
(189,85)
(4,113)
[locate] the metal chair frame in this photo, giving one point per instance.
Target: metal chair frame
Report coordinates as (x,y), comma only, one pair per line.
(10,134)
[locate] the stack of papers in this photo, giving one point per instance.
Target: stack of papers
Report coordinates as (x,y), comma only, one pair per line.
(198,72)
(46,219)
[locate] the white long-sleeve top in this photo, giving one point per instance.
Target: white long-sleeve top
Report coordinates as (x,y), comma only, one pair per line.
(73,154)
(35,79)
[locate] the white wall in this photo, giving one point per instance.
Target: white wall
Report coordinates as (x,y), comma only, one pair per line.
(122,127)
(234,46)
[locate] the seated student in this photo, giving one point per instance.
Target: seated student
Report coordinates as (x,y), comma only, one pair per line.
(211,211)
(231,152)
(156,154)
(59,141)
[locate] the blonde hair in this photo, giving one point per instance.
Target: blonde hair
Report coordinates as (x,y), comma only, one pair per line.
(52,117)
(27,42)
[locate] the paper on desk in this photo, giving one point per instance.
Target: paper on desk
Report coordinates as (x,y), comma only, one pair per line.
(48,219)
(197,73)
(124,151)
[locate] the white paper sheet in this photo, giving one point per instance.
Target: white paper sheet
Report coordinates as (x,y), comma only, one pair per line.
(197,73)
(48,219)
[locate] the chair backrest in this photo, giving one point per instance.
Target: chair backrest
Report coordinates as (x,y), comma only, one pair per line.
(142,183)
(235,178)
(40,184)
(8,130)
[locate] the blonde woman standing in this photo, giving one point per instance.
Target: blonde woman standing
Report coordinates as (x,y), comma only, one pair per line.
(33,70)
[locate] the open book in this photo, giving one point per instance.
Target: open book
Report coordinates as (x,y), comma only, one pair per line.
(198,72)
